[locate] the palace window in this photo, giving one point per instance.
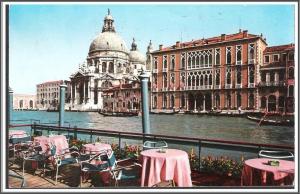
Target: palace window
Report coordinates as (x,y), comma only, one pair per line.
(239,55)
(155,63)
(165,62)
(182,78)
(291,73)
(291,56)
(228,55)
(210,80)
(111,68)
(267,59)
(206,60)
(197,61)
(210,58)
(228,76)
(217,56)
(228,100)
(238,75)
(217,77)
(172,78)
(193,62)
(251,100)
(183,60)
(201,80)
(189,81)
(165,101)
(238,100)
(251,54)
(276,58)
(251,74)
(155,102)
(172,62)
(291,90)
(189,62)
(201,60)
(263,76)
(172,101)
(165,80)
(284,57)
(272,77)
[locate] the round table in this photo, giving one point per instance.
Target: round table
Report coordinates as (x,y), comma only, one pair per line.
(257,172)
(96,147)
(171,165)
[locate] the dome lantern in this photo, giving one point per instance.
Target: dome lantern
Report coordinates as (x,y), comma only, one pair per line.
(133,45)
(108,25)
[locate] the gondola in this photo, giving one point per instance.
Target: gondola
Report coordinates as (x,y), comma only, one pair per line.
(164,112)
(286,122)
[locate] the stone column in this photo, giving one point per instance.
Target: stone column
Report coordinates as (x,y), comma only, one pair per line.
(89,90)
(276,77)
(75,93)
(212,101)
(195,104)
(187,102)
(71,101)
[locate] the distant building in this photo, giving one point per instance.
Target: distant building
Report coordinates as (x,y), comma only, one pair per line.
(47,94)
(24,102)
(108,65)
(277,79)
(123,98)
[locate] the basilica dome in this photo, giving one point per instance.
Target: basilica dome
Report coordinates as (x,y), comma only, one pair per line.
(135,56)
(108,41)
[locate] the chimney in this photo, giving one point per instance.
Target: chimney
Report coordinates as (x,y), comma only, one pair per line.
(160,47)
(245,33)
(223,37)
(177,44)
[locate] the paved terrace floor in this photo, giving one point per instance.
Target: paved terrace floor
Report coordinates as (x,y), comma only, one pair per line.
(70,178)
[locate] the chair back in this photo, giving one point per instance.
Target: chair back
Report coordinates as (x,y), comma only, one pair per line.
(154,145)
(111,160)
(273,154)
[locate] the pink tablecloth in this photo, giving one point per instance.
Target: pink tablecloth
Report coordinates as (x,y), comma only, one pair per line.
(257,172)
(172,165)
(95,148)
(60,141)
(17,134)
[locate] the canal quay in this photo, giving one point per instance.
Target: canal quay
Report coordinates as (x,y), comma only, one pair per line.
(212,113)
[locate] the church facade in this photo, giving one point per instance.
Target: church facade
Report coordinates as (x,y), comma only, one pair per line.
(109,64)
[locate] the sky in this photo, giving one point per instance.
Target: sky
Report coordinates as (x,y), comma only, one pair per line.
(48,42)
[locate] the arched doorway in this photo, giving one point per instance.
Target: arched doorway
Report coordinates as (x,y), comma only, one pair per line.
(263,102)
(281,104)
(208,102)
(217,101)
(21,104)
(251,100)
(191,102)
(172,101)
(31,104)
(199,101)
(271,103)
(155,102)
(182,101)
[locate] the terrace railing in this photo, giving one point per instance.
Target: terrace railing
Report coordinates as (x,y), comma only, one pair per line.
(199,143)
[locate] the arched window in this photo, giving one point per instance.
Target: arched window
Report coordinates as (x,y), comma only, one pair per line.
(206,60)
(197,80)
(197,61)
(209,59)
(239,54)
(165,62)
(251,74)
(111,68)
(228,102)
(272,103)
(182,101)
(217,97)
(228,76)
(217,56)
(183,60)
(228,55)
(165,101)
(238,75)
(189,62)
(189,81)
(201,80)
(193,81)
(202,60)
(21,104)
(217,78)
(210,80)
(103,67)
(193,62)
(291,73)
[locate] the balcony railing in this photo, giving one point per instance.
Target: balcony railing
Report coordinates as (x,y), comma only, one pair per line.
(239,62)
(217,86)
(155,71)
(270,84)
(228,86)
(251,85)
(164,89)
(165,69)
(238,85)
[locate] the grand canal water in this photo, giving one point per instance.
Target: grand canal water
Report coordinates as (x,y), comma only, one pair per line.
(201,126)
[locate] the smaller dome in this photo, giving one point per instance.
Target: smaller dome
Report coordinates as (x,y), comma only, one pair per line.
(109,17)
(137,57)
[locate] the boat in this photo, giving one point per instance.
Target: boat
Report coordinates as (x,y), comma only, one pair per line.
(164,112)
(118,114)
(263,121)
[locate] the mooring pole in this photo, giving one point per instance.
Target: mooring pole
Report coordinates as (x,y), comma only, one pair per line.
(62,104)
(144,77)
(10,106)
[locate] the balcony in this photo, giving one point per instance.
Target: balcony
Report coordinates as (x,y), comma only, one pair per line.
(239,62)
(165,70)
(228,86)
(251,61)
(155,71)
(238,85)
(217,86)
(164,89)
(251,85)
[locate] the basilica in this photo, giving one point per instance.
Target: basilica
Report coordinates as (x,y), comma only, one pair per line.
(109,64)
